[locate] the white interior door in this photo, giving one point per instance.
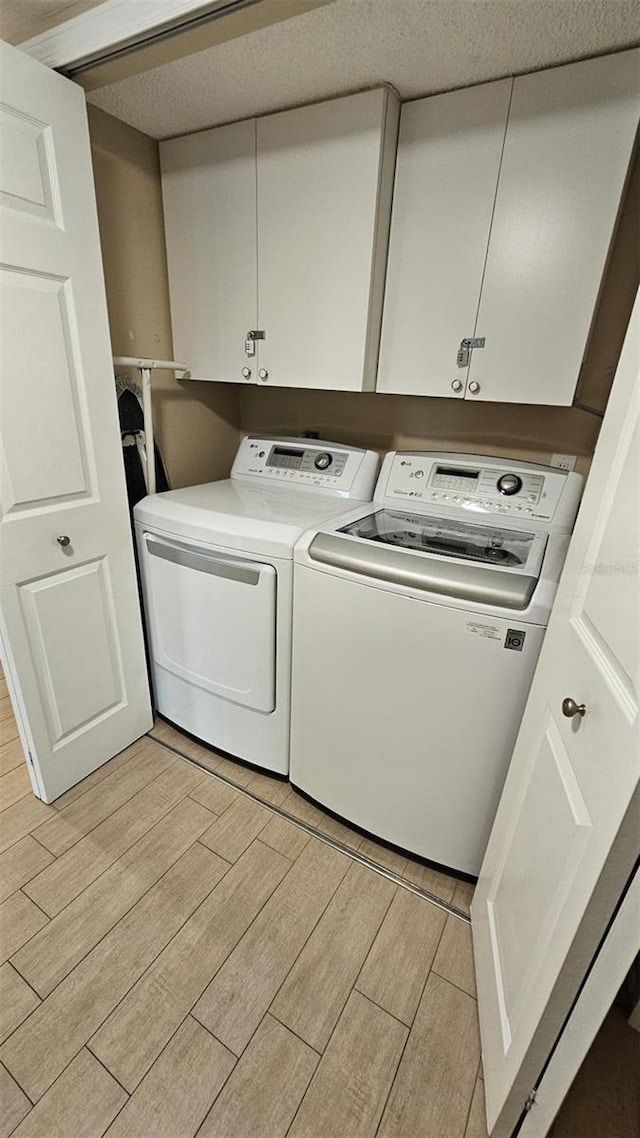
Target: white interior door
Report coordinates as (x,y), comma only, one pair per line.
(571,779)
(612,964)
(70,617)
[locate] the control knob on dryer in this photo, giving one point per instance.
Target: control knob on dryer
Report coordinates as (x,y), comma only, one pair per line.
(509,484)
(323,460)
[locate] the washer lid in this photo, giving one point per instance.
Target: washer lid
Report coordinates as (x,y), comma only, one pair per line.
(486,564)
(239,517)
(449,537)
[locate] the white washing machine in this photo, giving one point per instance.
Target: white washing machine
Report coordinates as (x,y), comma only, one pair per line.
(417,627)
(217,571)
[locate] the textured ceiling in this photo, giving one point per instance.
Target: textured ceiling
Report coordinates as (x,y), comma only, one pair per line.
(420,46)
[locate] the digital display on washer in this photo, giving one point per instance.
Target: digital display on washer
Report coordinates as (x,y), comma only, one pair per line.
(450,478)
(474,474)
(286,456)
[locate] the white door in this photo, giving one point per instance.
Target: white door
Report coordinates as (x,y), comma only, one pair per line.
(539,908)
(567,151)
(209,194)
(449,154)
(70,617)
(611,965)
(325,177)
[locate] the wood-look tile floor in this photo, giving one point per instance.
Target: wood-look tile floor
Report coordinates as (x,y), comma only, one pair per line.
(178,960)
(272,790)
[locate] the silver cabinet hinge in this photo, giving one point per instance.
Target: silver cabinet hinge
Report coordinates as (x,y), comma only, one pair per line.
(531,1100)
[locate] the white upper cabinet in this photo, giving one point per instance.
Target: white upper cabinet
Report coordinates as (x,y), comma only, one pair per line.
(509,245)
(449,154)
(280,226)
(567,152)
(209,193)
(325,178)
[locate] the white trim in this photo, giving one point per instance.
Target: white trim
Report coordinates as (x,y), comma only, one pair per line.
(110,25)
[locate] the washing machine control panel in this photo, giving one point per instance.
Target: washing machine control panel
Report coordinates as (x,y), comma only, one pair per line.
(307,461)
(307,464)
(482,485)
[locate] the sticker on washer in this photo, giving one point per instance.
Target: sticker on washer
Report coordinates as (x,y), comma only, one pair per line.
(514,639)
(491,631)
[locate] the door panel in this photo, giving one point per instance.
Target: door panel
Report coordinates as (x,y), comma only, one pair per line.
(69,612)
(521,918)
(44,441)
(209,194)
(612,644)
(324,186)
(27,178)
(62,651)
(571,779)
(567,152)
(449,154)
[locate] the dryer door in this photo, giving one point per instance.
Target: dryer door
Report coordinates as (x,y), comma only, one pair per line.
(211,619)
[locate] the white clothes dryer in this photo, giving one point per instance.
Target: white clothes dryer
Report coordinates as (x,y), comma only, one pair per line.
(217,572)
(417,627)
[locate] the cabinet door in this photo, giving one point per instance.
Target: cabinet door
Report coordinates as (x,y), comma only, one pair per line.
(446,178)
(325,175)
(209,192)
(567,151)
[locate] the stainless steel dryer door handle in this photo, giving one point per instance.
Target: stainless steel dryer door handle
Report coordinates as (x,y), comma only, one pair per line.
(204,562)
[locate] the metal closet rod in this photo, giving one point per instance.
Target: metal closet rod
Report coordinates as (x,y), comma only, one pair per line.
(145,367)
(135,361)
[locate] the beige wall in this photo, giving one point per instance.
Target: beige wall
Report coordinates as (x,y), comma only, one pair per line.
(401,422)
(196,424)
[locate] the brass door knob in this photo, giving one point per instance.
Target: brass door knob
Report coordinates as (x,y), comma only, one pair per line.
(571,708)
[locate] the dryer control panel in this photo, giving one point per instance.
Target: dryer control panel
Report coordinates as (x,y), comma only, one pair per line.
(307,465)
(479,484)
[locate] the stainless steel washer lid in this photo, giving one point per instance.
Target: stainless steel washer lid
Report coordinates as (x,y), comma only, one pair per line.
(449,537)
(482,563)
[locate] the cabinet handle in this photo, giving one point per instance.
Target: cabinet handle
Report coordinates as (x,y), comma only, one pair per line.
(63,540)
(246,373)
(456,385)
(263,373)
(474,387)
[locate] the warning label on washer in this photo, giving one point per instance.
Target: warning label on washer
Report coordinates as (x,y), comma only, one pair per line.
(491,631)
